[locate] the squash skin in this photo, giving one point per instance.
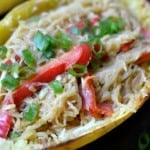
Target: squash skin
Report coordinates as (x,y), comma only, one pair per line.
(23,12)
(7,5)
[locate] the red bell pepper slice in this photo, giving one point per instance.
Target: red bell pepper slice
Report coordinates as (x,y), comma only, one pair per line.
(81,24)
(89,99)
(5,124)
(80,54)
(94,21)
(125,47)
(143,58)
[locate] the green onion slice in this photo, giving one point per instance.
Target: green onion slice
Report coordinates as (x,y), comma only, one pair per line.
(78,70)
(25,72)
(14,135)
(15,70)
(9,68)
(57,86)
(63,40)
(94,64)
(143,141)
(110,25)
(31,112)
(29,58)
(45,43)
(3,52)
(5,67)
(9,82)
(40,41)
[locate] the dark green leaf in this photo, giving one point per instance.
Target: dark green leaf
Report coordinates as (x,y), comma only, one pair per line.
(143,141)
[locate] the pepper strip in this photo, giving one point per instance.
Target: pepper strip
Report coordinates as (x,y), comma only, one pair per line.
(5,124)
(143,58)
(89,99)
(80,54)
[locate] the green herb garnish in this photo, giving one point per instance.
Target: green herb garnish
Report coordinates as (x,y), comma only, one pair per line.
(31,111)
(3,52)
(78,70)
(45,43)
(14,135)
(63,40)
(9,82)
(57,86)
(143,141)
(29,58)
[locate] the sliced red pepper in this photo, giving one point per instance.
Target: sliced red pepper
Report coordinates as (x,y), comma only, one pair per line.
(80,24)
(143,58)
(94,21)
(80,54)
(89,99)
(125,47)
(9,62)
(17,58)
(24,90)
(5,124)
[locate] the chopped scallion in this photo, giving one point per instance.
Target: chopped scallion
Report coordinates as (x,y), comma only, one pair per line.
(63,40)
(45,43)
(31,112)
(3,52)
(78,70)
(9,82)
(110,25)
(29,58)
(5,67)
(40,41)
(14,135)
(15,70)
(94,64)
(143,141)
(57,86)
(25,72)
